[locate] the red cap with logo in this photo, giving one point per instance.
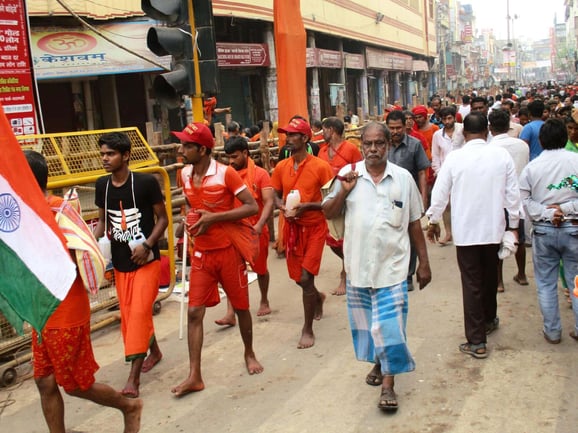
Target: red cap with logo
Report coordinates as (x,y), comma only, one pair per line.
(297,125)
(196,132)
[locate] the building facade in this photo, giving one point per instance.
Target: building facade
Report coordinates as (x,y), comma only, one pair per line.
(361,55)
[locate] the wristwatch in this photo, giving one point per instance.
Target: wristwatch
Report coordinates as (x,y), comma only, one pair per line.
(432,224)
(147,246)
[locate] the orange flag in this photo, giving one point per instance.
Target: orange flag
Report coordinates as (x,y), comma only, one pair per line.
(290,50)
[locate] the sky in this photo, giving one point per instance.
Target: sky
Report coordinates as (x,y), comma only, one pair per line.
(534,17)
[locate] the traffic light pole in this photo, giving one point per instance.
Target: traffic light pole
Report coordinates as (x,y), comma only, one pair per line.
(197,97)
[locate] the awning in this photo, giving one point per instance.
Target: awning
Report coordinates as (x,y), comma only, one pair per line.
(78,52)
(420,66)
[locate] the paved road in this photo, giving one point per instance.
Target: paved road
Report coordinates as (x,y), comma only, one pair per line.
(525,386)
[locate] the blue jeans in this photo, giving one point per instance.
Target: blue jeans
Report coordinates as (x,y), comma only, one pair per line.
(550,245)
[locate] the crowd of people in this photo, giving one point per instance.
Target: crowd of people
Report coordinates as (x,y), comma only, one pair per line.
(500,174)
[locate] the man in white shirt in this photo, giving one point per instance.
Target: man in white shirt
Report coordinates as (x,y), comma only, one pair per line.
(382,208)
(548,191)
(482,182)
(464,109)
(520,153)
(443,142)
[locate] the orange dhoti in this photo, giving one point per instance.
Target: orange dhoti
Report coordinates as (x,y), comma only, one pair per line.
(304,248)
(137,292)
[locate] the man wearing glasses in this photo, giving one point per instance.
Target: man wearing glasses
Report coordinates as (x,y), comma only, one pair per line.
(382,208)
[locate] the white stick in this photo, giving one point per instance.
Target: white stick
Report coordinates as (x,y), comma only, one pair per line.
(183,283)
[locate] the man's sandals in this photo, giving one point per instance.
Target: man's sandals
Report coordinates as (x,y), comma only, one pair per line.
(387,400)
(476,350)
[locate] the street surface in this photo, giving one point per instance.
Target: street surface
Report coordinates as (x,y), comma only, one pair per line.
(525,386)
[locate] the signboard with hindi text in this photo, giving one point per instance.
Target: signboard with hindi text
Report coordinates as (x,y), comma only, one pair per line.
(242,55)
(16,86)
(76,52)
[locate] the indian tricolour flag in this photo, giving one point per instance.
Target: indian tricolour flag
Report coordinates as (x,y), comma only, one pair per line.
(36,270)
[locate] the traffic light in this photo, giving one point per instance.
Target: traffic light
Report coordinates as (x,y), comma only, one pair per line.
(175,39)
(209,71)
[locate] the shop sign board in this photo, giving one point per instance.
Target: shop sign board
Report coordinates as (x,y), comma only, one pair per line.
(242,55)
(379,59)
(354,61)
(16,82)
(321,58)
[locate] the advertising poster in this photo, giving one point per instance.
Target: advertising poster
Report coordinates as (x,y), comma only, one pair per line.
(16,86)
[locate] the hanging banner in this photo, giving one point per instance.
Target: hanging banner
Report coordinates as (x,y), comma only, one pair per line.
(16,83)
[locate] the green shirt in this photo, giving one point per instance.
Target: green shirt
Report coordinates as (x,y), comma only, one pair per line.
(572,147)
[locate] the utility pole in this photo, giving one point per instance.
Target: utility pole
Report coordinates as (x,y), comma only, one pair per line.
(509,44)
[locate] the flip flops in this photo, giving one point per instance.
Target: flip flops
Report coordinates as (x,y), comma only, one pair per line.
(387,400)
(374,379)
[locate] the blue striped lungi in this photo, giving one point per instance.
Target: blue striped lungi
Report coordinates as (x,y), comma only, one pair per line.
(378,319)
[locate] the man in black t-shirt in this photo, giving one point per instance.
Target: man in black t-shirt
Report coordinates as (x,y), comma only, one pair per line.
(132,215)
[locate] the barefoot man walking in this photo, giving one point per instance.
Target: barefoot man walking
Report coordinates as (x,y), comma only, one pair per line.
(211,189)
(259,184)
(306,229)
(131,213)
(64,355)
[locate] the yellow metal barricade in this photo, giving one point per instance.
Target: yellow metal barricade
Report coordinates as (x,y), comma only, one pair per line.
(74,163)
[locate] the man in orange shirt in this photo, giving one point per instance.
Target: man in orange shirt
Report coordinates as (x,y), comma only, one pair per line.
(427,130)
(306,230)
(64,356)
(338,153)
(259,184)
(220,246)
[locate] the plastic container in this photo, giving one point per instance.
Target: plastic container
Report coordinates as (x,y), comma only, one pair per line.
(293,199)
(136,241)
(104,247)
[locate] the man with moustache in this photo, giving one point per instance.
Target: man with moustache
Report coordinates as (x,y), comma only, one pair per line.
(382,209)
(407,152)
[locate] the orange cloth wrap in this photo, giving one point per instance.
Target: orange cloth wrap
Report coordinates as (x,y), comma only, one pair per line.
(137,292)
(306,249)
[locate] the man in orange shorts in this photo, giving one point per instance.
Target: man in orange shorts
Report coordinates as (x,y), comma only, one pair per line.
(64,356)
(221,244)
(305,226)
(259,184)
(338,153)
(131,212)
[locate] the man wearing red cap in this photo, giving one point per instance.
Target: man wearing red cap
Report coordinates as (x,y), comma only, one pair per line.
(221,245)
(306,229)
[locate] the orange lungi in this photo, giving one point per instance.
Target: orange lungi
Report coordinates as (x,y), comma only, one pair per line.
(304,248)
(66,353)
(137,292)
